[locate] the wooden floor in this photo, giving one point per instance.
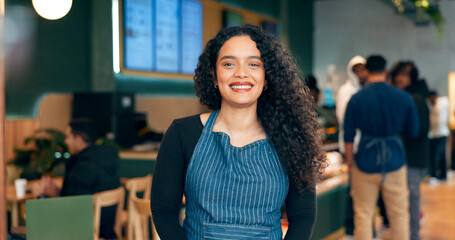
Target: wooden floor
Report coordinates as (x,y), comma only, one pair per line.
(438,208)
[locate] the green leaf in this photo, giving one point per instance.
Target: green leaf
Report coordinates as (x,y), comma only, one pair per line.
(41,159)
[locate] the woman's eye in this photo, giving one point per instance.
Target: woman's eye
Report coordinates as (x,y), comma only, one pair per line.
(228,64)
(255,64)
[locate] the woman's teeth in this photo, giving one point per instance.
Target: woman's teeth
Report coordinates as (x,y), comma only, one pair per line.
(241,86)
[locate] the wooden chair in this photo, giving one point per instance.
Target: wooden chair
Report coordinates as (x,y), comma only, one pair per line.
(133,186)
(106,199)
(143,213)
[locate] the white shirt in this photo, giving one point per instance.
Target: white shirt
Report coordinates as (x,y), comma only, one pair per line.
(439,118)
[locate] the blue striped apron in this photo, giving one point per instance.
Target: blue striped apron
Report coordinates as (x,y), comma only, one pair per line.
(233,192)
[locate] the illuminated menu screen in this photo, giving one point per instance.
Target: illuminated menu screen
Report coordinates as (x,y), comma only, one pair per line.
(162,35)
(191,35)
(138,35)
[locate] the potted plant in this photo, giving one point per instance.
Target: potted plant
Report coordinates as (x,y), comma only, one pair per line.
(45,153)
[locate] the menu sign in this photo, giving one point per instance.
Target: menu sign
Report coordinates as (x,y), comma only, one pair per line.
(138,35)
(162,35)
(167,35)
(191,34)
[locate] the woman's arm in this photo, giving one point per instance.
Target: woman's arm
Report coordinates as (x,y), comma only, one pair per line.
(301,213)
(167,187)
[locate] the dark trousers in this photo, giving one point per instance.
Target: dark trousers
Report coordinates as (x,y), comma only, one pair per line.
(438,158)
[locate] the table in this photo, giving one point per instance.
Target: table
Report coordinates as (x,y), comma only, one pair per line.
(15,201)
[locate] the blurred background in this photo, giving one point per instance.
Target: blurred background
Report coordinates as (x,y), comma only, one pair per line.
(128,65)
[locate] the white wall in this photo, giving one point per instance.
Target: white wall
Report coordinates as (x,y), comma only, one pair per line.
(345,28)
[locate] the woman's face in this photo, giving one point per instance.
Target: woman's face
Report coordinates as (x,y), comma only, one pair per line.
(240,72)
(402,80)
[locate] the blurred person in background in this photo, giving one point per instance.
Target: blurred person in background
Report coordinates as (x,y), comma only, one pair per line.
(405,76)
(90,169)
(383,114)
(356,80)
(312,84)
(439,131)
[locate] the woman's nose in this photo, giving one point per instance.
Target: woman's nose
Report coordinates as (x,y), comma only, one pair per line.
(241,72)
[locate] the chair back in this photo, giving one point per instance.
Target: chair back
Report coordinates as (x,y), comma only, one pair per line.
(142,215)
(139,184)
(133,186)
(106,199)
(62,218)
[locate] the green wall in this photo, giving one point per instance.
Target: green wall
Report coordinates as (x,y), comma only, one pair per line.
(59,58)
(300,32)
(75,53)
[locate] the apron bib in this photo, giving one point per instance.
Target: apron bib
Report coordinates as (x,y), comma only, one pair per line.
(233,192)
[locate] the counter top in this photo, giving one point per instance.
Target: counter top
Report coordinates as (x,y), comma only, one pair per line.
(129,154)
(332,183)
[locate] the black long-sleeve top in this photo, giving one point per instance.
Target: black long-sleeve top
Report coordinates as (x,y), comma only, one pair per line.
(169,181)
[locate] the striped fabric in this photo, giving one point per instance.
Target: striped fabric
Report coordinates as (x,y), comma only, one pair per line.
(233,192)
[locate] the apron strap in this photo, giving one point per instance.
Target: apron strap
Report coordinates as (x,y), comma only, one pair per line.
(211,121)
(383,153)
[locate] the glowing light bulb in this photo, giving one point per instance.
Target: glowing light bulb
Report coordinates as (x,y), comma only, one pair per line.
(52,9)
(425,3)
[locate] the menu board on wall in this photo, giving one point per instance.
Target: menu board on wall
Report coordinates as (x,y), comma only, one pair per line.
(167,35)
(138,35)
(162,35)
(191,34)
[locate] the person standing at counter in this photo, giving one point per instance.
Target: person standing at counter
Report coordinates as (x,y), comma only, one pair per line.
(404,75)
(383,114)
(439,132)
(259,147)
(356,80)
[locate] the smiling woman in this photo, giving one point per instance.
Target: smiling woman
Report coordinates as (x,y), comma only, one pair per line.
(257,149)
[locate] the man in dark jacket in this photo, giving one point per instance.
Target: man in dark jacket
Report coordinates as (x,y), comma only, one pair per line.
(91,169)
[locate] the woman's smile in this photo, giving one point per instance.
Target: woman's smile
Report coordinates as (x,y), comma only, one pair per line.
(241,86)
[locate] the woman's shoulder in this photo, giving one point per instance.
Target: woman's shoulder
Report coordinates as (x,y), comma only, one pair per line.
(187,130)
(189,121)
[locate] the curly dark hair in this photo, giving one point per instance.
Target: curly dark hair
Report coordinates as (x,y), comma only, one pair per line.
(408,67)
(286,109)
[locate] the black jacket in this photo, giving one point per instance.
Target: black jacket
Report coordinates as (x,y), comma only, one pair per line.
(95,169)
(418,149)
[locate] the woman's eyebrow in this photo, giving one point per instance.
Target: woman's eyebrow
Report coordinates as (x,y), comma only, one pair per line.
(234,57)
